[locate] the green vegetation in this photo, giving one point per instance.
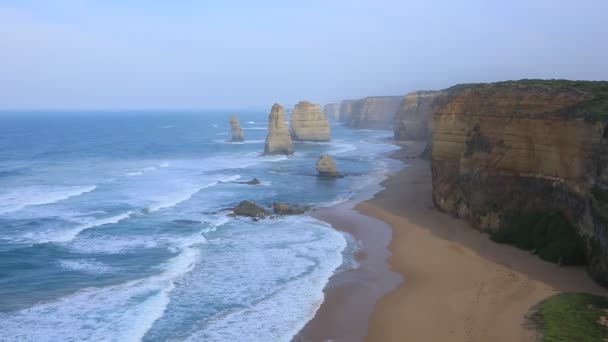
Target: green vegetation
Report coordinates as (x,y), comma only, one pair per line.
(551,236)
(596,92)
(571,317)
(600,194)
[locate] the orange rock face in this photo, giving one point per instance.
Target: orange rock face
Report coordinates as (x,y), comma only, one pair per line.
(510,148)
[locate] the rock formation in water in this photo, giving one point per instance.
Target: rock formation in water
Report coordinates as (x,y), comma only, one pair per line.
(506,149)
(371,112)
(414,119)
(332,111)
(235,130)
(287,209)
(278,140)
(250,209)
(326,167)
(308,123)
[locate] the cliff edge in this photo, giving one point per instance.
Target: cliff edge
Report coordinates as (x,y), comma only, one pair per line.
(505,150)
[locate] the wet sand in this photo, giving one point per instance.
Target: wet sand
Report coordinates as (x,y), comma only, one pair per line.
(456,284)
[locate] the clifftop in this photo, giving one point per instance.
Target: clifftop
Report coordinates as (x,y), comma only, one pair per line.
(537,98)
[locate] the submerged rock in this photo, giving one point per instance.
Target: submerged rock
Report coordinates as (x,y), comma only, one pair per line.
(235,130)
(250,209)
(308,123)
(254,181)
(278,140)
(326,167)
(286,209)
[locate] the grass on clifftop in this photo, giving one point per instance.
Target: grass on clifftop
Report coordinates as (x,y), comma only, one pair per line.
(596,92)
(571,317)
(550,235)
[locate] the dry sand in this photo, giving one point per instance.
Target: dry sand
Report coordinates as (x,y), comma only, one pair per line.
(457,284)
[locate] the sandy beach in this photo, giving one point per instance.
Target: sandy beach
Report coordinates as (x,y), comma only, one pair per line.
(452,282)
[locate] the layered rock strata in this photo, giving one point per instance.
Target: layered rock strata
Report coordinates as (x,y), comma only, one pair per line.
(308,123)
(278,140)
(508,148)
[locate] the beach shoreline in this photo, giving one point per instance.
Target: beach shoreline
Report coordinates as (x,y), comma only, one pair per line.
(446,281)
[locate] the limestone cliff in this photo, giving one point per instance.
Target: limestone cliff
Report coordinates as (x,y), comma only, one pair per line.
(278,140)
(332,111)
(374,112)
(414,119)
(235,130)
(308,123)
(508,148)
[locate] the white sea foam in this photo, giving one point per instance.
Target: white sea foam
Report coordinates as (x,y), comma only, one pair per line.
(87,265)
(251,122)
(70,234)
(239,142)
(166,126)
(164,165)
(15,199)
(285,274)
(122,312)
(178,198)
(222,134)
(256,128)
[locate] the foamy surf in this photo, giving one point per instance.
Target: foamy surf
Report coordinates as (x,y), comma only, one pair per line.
(122,312)
(19,198)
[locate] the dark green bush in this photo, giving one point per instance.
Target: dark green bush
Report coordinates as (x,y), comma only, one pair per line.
(550,235)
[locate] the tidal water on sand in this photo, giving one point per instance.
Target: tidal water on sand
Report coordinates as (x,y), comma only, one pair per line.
(113,226)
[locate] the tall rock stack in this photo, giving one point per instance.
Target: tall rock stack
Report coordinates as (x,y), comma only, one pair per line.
(308,123)
(235,130)
(278,140)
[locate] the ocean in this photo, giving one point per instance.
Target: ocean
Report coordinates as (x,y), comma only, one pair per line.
(114,226)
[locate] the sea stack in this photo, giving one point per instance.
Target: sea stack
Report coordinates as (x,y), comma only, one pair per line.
(278,140)
(308,123)
(235,130)
(326,167)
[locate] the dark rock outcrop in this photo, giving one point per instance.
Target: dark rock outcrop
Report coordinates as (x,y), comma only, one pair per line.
(250,209)
(510,148)
(254,181)
(326,167)
(278,140)
(235,130)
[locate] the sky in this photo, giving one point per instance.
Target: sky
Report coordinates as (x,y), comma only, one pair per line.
(127,54)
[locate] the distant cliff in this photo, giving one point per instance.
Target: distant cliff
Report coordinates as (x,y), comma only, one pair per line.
(414,119)
(504,152)
(332,111)
(370,112)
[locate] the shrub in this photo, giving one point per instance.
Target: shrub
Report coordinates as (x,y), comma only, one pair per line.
(551,235)
(570,317)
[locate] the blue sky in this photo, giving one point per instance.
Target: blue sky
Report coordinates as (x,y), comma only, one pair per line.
(102,54)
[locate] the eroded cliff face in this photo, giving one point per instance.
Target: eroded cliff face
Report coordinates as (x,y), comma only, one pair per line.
(371,112)
(332,111)
(308,123)
(414,119)
(375,112)
(513,147)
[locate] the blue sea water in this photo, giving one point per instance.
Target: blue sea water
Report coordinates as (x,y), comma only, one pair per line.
(113,226)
